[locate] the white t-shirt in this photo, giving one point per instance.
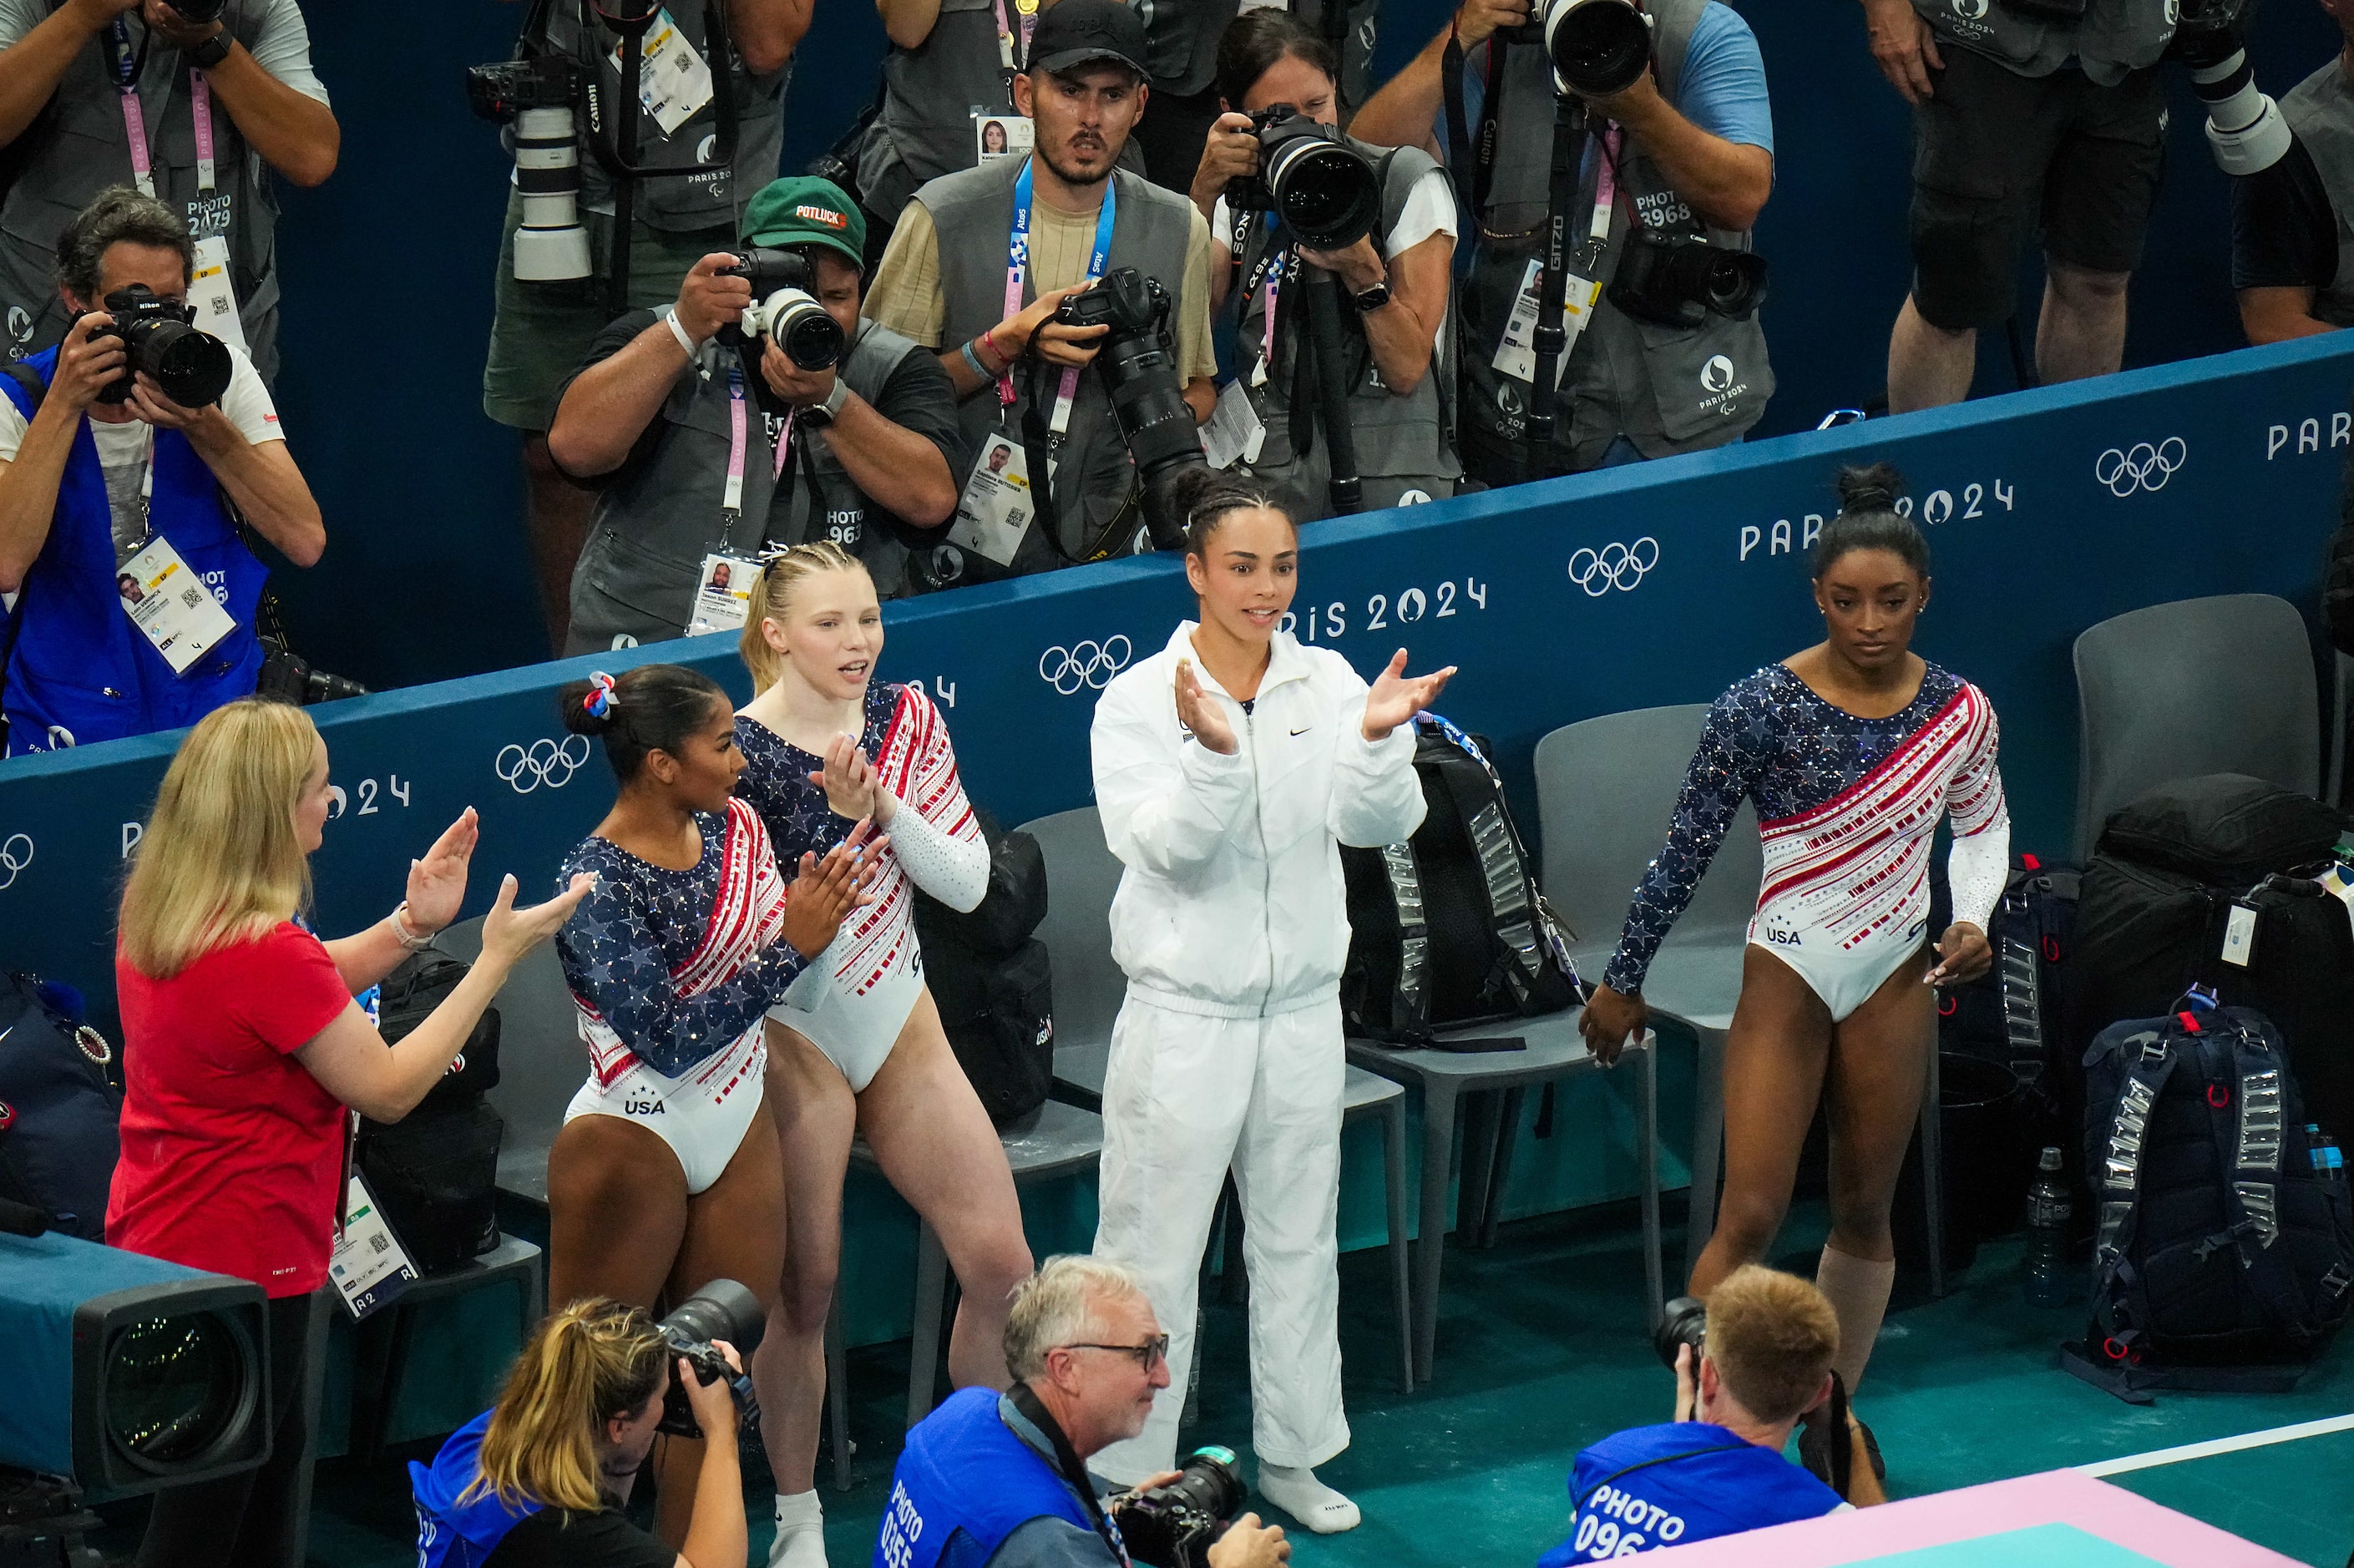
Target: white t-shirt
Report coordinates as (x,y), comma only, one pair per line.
(1430,209)
(122,447)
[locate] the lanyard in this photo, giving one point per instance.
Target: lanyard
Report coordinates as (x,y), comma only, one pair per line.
(1281,262)
(1605,185)
(1006,57)
(1017,270)
(128,67)
(731,503)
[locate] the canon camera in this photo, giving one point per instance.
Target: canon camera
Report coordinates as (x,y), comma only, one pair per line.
(1597,47)
(539,95)
(1683,1322)
(1139,370)
(190,364)
(784,308)
(1175,1524)
(722,1310)
(1682,279)
(1325,191)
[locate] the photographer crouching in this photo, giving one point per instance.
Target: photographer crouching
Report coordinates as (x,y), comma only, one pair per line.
(758,412)
(1002,1479)
(1762,1362)
(540,1478)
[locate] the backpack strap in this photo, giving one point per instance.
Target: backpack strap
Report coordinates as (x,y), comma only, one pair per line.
(2119,1188)
(2250,1133)
(2019,969)
(1410,998)
(1522,919)
(24,376)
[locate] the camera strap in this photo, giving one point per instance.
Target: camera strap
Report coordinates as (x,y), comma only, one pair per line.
(1073,1468)
(1017,272)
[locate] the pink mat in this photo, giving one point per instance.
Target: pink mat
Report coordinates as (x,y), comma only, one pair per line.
(2056,1497)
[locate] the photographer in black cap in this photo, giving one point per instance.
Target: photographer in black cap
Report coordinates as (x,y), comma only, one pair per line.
(709,455)
(982,259)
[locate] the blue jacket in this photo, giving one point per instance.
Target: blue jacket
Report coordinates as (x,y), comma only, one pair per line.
(1677,1482)
(450,1534)
(79,671)
(963,1468)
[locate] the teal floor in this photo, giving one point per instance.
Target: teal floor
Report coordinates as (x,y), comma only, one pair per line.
(1541,1349)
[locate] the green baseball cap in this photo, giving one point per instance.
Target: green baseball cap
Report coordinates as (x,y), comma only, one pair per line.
(806,210)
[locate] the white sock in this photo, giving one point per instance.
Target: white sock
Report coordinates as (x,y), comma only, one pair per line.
(801,1532)
(1296,1490)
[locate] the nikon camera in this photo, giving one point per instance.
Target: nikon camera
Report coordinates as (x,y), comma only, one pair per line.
(1174,1526)
(190,364)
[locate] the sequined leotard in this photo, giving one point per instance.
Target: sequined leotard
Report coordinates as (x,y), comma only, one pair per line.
(1848,808)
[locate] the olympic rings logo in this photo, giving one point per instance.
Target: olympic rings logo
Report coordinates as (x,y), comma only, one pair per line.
(1083,664)
(15,855)
(1614,566)
(2141,466)
(552,763)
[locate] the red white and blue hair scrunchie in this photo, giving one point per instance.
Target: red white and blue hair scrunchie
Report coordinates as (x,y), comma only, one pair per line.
(600,700)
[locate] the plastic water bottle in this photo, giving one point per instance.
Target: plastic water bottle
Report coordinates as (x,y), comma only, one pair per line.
(2048,1209)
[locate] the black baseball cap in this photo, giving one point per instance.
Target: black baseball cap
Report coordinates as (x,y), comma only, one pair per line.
(1073,33)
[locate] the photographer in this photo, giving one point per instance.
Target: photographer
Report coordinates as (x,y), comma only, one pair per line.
(1717,1468)
(2285,218)
(1001,1479)
(1685,154)
(2022,123)
(1398,406)
(982,261)
(861,454)
(544,329)
(94,92)
(1181,43)
(539,1481)
(93,481)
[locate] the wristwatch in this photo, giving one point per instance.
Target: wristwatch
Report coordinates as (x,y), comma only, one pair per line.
(1372,299)
(825,413)
(212,51)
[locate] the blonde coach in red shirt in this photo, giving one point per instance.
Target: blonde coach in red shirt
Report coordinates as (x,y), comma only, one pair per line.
(242,1049)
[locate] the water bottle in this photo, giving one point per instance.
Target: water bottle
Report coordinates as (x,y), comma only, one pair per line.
(2328,1159)
(2048,1209)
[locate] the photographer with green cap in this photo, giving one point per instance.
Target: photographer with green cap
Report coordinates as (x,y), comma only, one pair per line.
(710,452)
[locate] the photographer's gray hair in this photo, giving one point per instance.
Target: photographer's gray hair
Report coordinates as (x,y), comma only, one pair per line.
(1057,1306)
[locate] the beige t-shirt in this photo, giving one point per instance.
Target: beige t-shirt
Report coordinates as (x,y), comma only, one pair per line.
(905,293)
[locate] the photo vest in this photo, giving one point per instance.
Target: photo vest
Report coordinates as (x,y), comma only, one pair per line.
(2320,110)
(79,671)
(77,146)
(2114,37)
(638,576)
(963,1468)
(675,203)
(1679,1482)
(973,213)
(1669,389)
(1404,443)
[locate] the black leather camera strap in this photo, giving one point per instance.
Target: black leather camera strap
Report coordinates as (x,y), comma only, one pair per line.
(1073,1468)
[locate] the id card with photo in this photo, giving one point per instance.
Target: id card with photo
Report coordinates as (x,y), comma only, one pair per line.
(995,511)
(210,294)
(674,81)
(996,136)
(171,605)
(1516,356)
(722,594)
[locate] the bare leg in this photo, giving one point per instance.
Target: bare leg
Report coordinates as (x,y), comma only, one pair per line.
(555,524)
(2082,331)
(616,1212)
(1775,1056)
(814,1113)
(1929,367)
(936,1147)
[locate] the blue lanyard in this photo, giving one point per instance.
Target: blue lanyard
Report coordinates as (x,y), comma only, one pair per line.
(1017,270)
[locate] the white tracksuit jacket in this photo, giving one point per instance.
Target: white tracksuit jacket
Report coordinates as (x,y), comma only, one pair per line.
(1232,926)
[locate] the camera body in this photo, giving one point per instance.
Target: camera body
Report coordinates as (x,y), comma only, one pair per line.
(722,1310)
(1139,371)
(190,364)
(501,92)
(539,95)
(1683,1322)
(1679,281)
(785,308)
(1325,191)
(288,677)
(1174,1525)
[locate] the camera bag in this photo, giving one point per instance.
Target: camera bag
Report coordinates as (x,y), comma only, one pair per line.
(1449,927)
(435,1171)
(2224,1260)
(59,1107)
(2222,827)
(990,979)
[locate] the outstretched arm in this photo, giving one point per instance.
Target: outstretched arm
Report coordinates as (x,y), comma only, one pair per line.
(1721,774)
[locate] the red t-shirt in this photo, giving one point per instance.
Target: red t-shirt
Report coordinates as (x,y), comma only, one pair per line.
(231,1151)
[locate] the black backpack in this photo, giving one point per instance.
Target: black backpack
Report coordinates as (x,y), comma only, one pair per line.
(2015,1013)
(990,979)
(59,1106)
(2224,1260)
(1449,927)
(435,1173)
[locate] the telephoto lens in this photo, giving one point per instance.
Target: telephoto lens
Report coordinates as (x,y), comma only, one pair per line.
(537,96)
(722,1310)
(1140,374)
(190,364)
(785,308)
(1683,1322)
(1598,47)
(1328,196)
(1174,1525)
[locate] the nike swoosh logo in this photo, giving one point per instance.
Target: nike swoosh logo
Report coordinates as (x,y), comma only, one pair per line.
(1303,729)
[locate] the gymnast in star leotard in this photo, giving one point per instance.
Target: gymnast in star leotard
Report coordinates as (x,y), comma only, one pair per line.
(1853,751)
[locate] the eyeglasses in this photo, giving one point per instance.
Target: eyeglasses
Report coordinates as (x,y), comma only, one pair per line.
(1155,1349)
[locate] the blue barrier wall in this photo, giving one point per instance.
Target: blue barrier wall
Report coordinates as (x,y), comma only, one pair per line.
(388,272)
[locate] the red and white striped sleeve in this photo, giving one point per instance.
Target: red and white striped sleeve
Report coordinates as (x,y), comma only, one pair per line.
(934,834)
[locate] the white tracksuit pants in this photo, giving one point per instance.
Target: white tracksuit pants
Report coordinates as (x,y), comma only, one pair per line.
(1185,1098)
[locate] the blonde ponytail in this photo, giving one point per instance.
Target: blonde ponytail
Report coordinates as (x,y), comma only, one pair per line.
(771,589)
(590,1361)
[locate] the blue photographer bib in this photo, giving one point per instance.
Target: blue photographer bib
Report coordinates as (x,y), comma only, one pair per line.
(1679,1481)
(964,1469)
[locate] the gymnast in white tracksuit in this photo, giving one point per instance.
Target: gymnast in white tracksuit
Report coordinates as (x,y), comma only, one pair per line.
(1229,767)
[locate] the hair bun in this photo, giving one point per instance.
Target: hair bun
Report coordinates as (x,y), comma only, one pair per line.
(586,706)
(1869,488)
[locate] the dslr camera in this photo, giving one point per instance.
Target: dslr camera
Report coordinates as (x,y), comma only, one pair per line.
(1597,47)
(722,1310)
(785,308)
(538,95)
(1679,281)
(190,364)
(1683,1322)
(1174,1526)
(1323,189)
(1139,371)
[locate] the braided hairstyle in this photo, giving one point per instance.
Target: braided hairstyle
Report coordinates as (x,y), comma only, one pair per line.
(1199,499)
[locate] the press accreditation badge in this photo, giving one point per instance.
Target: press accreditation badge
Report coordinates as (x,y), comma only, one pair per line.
(368,1267)
(995,511)
(1234,432)
(674,81)
(171,605)
(210,294)
(1516,356)
(996,136)
(722,594)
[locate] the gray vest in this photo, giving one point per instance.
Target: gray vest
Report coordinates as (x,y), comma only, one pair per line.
(2115,36)
(679,204)
(638,573)
(2320,110)
(1180,41)
(77,146)
(1669,389)
(1094,483)
(1402,443)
